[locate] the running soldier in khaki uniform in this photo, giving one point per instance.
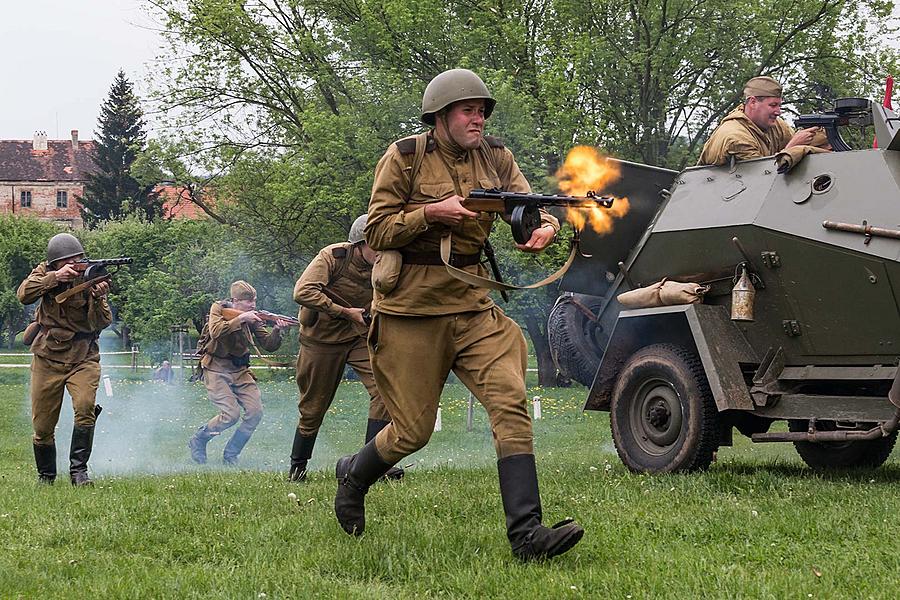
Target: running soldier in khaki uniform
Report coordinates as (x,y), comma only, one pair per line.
(754,128)
(431,323)
(225,345)
(66,356)
(333,334)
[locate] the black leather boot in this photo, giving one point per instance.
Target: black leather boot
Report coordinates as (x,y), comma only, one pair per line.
(530,540)
(80,453)
(234,446)
(355,473)
(197,444)
(301,452)
(372,429)
(45,459)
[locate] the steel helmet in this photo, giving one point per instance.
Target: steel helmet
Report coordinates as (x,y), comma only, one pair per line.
(63,245)
(356,230)
(452,86)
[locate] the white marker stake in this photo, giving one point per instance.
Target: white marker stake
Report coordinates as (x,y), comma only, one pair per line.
(536,404)
(107,386)
(437,420)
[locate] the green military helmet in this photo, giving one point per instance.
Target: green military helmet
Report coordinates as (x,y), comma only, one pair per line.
(63,245)
(452,86)
(356,230)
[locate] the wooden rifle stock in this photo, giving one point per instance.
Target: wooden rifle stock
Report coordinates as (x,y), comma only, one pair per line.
(339,300)
(266,316)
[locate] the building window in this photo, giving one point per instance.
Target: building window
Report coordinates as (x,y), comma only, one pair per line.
(25,200)
(62,199)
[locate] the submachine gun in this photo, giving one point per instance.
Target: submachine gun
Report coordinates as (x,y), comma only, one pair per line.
(523,210)
(93,271)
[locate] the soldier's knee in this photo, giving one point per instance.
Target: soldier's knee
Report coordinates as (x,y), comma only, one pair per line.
(230,416)
(253,417)
(43,437)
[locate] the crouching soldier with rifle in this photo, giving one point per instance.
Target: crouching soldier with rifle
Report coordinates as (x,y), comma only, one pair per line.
(63,340)
(334,293)
(225,368)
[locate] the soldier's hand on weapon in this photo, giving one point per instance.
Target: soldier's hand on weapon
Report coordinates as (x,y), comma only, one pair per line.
(540,239)
(448,211)
(802,137)
(355,315)
(249,317)
(281,324)
(66,273)
(100,290)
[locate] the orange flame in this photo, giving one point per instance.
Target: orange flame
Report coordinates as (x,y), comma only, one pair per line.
(586,170)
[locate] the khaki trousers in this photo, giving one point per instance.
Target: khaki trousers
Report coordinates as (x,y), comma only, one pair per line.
(320,368)
(49,379)
(230,392)
(411,358)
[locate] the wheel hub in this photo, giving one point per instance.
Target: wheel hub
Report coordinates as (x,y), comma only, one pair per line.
(656,417)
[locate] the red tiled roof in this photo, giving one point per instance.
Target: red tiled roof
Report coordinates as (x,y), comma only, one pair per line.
(18,162)
(177,203)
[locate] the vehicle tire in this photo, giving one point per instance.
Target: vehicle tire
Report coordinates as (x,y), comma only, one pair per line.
(576,342)
(663,415)
(859,454)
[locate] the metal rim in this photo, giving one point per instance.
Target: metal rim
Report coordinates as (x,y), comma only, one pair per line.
(656,416)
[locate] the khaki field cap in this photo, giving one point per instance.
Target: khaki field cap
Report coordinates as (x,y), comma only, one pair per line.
(63,245)
(241,290)
(452,86)
(765,87)
(356,230)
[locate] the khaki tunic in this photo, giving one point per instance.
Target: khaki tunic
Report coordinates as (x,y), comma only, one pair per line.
(66,354)
(740,137)
(333,341)
(229,387)
(433,323)
(393,223)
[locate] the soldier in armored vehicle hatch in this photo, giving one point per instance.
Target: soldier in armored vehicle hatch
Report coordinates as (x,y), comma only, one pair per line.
(754,128)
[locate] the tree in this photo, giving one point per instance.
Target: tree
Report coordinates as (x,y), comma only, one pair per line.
(111,192)
(23,244)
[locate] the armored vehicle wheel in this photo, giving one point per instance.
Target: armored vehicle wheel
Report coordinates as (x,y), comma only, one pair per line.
(663,415)
(576,342)
(861,454)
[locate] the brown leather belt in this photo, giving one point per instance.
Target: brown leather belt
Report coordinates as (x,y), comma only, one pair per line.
(434,258)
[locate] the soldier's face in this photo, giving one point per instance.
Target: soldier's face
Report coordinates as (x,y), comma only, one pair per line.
(465,123)
(763,111)
(59,264)
(245,305)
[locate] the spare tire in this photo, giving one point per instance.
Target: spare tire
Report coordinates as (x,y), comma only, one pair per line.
(576,341)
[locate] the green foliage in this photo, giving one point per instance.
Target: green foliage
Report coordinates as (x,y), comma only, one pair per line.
(23,244)
(111,192)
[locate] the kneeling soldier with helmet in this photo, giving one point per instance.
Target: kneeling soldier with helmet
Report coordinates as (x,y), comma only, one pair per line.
(334,292)
(66,356)
(225,348)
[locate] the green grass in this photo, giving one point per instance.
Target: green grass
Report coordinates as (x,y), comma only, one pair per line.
(758,524)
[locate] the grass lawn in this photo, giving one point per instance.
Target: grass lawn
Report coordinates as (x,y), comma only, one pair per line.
(758,524)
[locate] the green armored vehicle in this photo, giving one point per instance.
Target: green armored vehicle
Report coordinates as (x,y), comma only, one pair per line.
(800,322)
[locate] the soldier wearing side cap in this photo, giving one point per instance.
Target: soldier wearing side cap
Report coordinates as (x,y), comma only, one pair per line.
(225,348)
(755,128)
(333,335)
(66,356)
(428,323)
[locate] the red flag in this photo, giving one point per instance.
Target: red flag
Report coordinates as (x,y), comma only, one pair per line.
(888,90)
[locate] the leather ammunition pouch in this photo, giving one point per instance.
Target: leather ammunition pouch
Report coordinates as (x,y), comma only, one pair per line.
(386,271)
(241,361)
(31,332)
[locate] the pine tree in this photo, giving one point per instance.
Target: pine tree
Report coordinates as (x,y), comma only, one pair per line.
(111,192)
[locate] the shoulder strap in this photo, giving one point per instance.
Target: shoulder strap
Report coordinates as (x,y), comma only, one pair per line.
(418,157)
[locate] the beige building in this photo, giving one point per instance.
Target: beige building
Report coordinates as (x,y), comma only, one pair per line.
(45,178)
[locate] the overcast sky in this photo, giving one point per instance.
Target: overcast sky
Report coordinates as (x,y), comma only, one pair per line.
(60,58)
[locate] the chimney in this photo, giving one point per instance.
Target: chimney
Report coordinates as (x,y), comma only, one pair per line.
(40,140)
(74,140)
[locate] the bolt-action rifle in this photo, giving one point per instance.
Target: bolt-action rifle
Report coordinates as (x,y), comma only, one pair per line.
(523,210)
(266,316)
(93,271)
